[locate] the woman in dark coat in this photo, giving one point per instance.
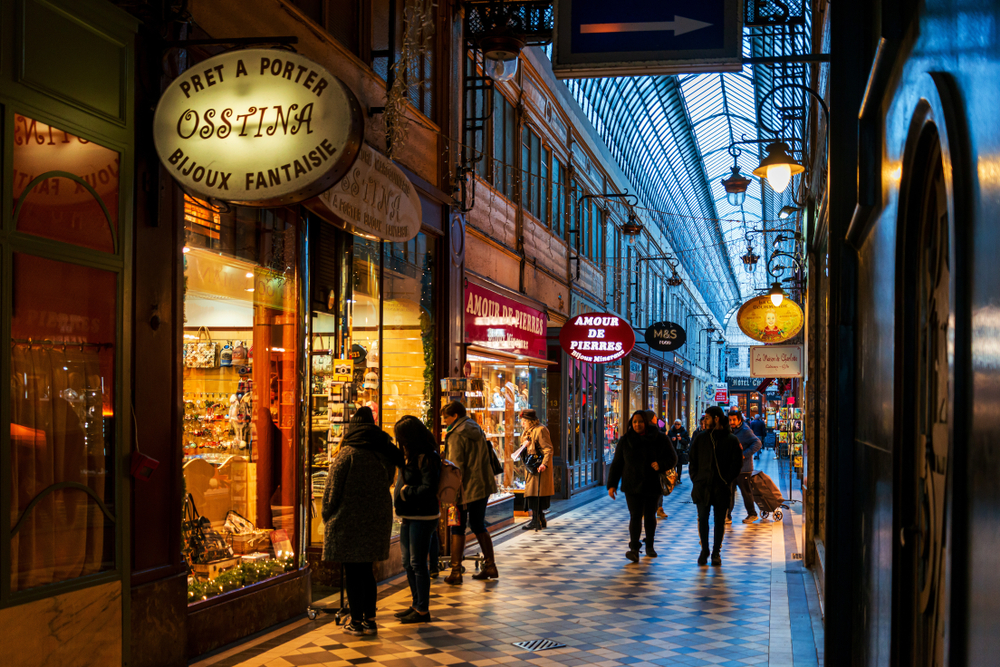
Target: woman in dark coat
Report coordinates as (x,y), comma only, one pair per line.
(540,486)
(357,513)
(641,453)
(416,503)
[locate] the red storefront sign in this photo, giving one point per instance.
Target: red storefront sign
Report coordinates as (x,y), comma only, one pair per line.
(503,324)
(597,338)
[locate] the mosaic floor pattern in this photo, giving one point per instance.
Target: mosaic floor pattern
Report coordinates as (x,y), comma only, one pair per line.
(571,583)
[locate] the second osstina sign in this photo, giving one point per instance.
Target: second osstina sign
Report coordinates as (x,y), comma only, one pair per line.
(258,127)
(597,338)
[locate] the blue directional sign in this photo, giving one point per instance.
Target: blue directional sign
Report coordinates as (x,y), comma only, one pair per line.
(637,37)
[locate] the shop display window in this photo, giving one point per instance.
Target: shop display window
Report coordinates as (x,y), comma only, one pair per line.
(612,409)
(241,391)
(635,378)
(653,390)
(494,394)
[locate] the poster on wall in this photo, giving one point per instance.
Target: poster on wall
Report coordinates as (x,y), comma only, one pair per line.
(258,127)
(721,392)
(597,338)
(760,319)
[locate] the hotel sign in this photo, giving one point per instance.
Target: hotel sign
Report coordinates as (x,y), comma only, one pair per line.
(258,127)
(494,321)
(597,338)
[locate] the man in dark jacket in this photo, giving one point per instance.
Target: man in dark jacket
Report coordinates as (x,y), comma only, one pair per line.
(759,429)
(751,445)
(715,462)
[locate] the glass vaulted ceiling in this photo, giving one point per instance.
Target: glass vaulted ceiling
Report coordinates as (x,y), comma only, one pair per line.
(670,136)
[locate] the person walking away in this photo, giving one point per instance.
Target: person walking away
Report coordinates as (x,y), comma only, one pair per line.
(759,429)
(751,445)
(640,455)
(715,462)
(416,504)
(541,485)
(678,436)
(357,513)
(467,448)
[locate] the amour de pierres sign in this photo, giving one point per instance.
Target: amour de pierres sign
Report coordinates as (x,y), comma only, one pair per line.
(597,338)
(258,127)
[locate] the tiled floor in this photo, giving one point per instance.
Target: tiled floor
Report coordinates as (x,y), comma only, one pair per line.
(571,583)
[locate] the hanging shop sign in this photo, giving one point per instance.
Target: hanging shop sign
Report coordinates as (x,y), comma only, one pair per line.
(776,361)
(597,338)
(494,321)
(763,321)
(374,200)
(665,336)
(595,38)
(721,392)
(258,127)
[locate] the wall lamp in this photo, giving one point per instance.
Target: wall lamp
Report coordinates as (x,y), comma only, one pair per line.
(736,185)
(631,229)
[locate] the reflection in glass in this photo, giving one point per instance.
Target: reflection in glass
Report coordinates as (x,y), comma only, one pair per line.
(56,206)
(62,421)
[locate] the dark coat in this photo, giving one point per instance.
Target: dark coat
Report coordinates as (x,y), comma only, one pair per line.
(420,479)
(750,443)
(759,428)
(539,442)
(357,505)
(467,448)
(632,464)
(679,438)
(715,462)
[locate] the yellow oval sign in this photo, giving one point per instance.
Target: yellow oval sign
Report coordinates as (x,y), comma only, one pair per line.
(763,321)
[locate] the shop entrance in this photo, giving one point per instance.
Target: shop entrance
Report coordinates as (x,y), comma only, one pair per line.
(925,412)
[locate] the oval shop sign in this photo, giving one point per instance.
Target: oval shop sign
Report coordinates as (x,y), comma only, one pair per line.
(665,336)
(258,127)
(597,338)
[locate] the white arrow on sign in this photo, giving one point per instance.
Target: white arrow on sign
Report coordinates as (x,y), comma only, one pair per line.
(679,26)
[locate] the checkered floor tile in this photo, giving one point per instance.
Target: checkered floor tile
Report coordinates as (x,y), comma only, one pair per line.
(571,583)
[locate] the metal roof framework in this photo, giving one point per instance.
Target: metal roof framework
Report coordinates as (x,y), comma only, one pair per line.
(670,136)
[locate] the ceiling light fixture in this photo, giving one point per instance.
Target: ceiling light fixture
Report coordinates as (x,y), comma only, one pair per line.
(750,260)
(778,167)
(736,187)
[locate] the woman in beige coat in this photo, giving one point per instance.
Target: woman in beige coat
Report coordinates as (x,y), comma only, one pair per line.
(539,486)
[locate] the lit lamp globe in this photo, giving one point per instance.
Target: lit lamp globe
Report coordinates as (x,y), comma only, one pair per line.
(778,167)
(776,293)
(500,53)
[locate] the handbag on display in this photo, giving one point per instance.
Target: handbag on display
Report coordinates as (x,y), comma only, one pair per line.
(668,480)
(202,544)
(201,354)
(239,354)
(226,356)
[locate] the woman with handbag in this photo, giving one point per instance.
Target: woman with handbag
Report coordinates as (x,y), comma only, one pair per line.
(416,503)
(540,484)
(640,456)
(357,513)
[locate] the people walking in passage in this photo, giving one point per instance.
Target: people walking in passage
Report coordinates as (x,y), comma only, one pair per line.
(357,513)
(540,485)
(751,445)
(678,436)
(715,461)
(641,453)
(466,447)
(416,504)
(652,425)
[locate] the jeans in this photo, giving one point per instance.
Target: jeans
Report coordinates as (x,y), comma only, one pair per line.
(414,543)
(362,591)
(474,516)
(743,481)
(435,551)
(718,507)
(642,510)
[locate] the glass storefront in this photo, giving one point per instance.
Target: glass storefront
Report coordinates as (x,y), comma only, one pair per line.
(241,393)
(636,370)
(374,347)
(653,390)
(612,409)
